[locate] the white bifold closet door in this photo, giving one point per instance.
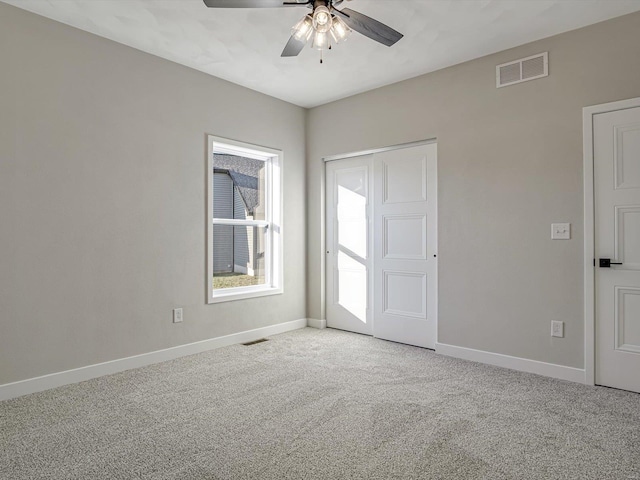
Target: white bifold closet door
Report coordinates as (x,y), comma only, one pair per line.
(349,244)
(381,245)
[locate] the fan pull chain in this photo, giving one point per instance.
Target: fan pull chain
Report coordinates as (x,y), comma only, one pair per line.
(321,61)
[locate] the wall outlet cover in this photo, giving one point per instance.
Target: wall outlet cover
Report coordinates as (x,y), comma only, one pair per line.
(177,315)
(557,329)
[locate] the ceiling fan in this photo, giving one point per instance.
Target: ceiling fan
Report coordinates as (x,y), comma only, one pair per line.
(324,25)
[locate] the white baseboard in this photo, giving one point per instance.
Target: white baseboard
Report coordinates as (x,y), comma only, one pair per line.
(514,363)
(315,323)
(53,380)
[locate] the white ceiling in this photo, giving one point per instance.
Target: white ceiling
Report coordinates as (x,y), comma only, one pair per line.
(244,45)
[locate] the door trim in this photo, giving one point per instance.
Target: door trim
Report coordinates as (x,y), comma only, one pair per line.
(589,229)
(373,151)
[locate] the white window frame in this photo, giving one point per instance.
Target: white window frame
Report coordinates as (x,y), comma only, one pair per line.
(274,266)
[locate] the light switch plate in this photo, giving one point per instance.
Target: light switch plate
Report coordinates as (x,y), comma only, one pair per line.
(561,231)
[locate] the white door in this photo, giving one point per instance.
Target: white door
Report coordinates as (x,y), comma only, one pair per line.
(349,234)
(381,266)
(405,256)
(617,222)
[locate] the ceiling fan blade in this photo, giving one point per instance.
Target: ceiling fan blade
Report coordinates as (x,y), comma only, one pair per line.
(293,48)
(254,3)
(369,27)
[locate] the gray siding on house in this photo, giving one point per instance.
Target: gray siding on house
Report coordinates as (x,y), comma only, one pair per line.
(242,198)
(223,195)
(233,246)
(222,234)
(242,238)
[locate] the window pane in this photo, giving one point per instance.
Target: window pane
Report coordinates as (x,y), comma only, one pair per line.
(238,256)
(238,187)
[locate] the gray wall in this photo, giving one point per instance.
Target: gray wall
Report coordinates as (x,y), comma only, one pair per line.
(102,199)
(102,192)
(510,164)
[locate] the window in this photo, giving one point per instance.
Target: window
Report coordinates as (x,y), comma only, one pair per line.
(244,212)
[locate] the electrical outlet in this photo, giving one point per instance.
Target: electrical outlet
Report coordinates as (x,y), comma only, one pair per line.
(557,329)
(177,315)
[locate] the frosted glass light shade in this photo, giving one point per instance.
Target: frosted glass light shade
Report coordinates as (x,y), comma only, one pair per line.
(322,20)
(340,31)
(320,41)
(303,30)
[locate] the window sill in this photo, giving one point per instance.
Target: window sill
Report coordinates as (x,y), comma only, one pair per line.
(219,297)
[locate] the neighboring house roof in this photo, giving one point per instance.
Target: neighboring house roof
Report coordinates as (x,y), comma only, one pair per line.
(244,173)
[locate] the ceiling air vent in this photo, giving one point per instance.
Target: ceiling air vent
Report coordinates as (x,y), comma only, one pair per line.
(522,70)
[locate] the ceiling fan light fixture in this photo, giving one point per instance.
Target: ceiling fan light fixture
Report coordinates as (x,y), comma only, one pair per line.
(340,31)
(322,20)
(325,24)
(303,30)
(320,41)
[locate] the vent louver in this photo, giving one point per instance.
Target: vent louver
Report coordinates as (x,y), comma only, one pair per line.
(255,342)
(525,69)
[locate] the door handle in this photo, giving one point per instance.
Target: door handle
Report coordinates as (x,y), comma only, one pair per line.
(606,263)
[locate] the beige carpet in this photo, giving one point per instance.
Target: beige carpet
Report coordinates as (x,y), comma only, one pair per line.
(326,404)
